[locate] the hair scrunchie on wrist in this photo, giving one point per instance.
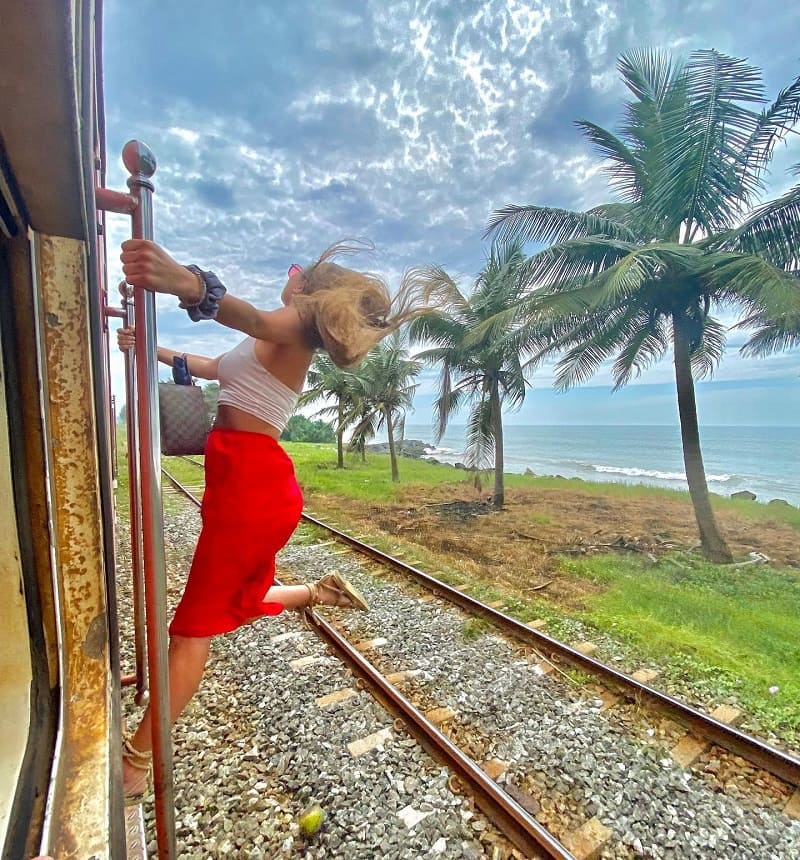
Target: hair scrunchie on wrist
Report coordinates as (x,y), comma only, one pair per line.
(208,306)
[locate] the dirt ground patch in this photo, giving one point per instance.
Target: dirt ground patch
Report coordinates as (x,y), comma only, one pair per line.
(516,548)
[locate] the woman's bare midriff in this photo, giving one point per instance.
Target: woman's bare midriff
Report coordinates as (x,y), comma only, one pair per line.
(231,418)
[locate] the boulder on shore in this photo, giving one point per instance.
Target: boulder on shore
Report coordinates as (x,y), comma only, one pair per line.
(407,448)
(744,494)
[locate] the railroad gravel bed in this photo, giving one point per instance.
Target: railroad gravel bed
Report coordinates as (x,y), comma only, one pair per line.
(254,748)
(557,743)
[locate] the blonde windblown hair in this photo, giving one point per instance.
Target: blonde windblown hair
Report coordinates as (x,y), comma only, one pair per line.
(346,312)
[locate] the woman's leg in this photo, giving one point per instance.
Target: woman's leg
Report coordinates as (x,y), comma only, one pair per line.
(291,596)
(187,662)
(298,596)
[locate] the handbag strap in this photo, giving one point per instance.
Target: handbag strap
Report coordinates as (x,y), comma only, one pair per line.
(180,370)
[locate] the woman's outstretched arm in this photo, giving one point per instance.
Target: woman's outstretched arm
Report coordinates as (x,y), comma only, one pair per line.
(201,366)
(279,326)
(149,266)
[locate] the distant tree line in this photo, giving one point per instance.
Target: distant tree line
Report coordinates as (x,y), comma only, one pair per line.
(302,429)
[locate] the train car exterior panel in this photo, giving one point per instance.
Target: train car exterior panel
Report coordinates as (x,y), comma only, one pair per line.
(60,779)
(61,269)
(16,674)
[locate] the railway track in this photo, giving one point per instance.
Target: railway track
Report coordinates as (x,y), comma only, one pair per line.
(512,819)
(781,764)
(510,815)
(777,762)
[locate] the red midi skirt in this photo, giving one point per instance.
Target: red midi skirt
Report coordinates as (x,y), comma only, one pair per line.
(251,506)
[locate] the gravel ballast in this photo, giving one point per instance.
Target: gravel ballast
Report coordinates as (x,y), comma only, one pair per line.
(254,748)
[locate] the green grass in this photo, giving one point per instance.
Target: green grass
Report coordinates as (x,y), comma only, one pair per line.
(187,473)
(474,628)
(733,631)
(184,471)
(316,469)
(743,623)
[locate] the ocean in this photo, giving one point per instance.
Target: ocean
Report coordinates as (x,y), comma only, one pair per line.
(764,460)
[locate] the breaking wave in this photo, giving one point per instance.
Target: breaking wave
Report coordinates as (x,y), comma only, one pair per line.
(633,472)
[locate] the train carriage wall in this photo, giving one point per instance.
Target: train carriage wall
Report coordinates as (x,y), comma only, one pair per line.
(59,696)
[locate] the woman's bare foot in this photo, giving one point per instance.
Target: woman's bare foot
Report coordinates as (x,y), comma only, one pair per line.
(134,780)
(135,771)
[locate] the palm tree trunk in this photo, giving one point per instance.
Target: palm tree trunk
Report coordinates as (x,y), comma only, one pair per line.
(711,540)
(499,498)
(392,452)
(339,435)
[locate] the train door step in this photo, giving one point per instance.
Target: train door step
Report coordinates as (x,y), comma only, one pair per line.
(134,833)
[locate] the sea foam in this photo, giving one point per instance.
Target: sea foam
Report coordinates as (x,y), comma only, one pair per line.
(633,472)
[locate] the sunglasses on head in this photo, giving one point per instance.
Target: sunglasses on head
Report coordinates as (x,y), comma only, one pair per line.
(295,269)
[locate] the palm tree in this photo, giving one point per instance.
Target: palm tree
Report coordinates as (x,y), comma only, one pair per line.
(384,380)
(479,346)
(325,380)
(772,232)
(363,417)
(631,277)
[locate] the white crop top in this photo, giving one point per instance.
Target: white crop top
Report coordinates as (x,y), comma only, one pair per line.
(245,383)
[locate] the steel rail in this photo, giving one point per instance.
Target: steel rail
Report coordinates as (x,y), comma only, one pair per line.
(777,762)
(515,822)
(140,163)
(772,759)
(140,678)
(138,203)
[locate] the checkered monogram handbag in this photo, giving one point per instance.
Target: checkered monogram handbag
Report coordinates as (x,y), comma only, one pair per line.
(183,417)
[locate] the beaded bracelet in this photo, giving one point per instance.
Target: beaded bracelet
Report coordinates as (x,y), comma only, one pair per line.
(202,282)
(213,291)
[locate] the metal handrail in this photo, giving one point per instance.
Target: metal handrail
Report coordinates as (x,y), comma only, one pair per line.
(135,507)
(145,480)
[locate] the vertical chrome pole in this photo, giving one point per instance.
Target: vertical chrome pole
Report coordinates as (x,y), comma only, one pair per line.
(114,457)
(141,164)
(135,499)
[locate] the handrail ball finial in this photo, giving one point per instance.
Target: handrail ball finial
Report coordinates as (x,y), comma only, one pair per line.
(139,161)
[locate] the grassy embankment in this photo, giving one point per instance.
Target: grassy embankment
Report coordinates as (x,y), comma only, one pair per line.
(716,632)
(734,630)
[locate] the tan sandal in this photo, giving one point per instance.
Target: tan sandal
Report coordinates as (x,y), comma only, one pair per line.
(336,583)
(140,760)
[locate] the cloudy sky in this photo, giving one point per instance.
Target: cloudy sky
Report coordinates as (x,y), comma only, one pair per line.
(280,127)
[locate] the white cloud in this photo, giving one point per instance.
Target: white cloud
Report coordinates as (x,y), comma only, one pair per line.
(404,121)
(185,135)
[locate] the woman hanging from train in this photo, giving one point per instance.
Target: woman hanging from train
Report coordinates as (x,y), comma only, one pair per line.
(252,502)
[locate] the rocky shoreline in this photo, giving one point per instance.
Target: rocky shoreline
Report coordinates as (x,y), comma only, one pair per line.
(416,449)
